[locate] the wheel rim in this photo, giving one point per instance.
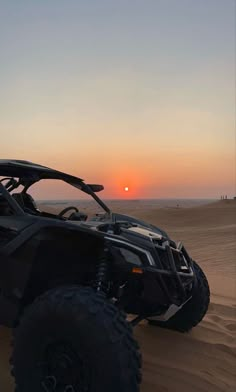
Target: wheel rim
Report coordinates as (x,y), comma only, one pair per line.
(63,369)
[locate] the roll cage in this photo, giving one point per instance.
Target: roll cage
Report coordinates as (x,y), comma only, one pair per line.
(23,173)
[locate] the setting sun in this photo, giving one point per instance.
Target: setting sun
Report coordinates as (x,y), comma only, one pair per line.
(126,189)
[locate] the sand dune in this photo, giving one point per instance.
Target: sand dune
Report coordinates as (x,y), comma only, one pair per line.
(204,359)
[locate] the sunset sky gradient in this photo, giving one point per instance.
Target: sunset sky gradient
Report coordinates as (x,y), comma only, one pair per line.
(125,93)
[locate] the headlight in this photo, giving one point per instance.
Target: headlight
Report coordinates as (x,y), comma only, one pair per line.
(130,257)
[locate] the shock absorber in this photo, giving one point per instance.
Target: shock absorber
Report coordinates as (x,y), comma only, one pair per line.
(101,282)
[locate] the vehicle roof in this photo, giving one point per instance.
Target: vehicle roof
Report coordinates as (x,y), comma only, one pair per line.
(33,171)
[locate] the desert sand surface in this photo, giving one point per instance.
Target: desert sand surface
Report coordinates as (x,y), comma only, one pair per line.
(203,360)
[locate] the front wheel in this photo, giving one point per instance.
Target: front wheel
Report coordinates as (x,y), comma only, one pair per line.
(72,339)
(194,310)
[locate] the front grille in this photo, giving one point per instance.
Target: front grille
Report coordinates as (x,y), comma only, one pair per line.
(164,260)
(178,257)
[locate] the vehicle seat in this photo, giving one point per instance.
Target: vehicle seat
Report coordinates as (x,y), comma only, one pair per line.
(4,207)
(26,202)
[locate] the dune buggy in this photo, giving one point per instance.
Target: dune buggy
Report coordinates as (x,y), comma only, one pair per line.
(67,282)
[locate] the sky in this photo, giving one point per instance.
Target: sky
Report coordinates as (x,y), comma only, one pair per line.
(128,93)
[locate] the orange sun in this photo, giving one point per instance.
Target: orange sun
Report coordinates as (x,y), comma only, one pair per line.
(126,188)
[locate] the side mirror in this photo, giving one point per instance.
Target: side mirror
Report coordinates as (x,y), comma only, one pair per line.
(96,188)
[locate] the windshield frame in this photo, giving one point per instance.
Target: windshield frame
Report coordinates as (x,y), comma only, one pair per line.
(28,182)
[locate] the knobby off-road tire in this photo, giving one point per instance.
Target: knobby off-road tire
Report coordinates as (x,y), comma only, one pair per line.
(194,310)
(72,339)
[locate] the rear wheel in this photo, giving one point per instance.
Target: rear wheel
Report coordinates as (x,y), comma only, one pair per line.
(72,340)
(194,310)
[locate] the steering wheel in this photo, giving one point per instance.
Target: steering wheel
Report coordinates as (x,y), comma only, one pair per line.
(63,212)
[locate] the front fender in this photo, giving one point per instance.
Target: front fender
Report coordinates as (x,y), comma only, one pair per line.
(13,277)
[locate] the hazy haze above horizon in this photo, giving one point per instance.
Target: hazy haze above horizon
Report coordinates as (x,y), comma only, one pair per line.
(129,93)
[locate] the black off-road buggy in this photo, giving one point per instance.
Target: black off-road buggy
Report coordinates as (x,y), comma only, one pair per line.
(67,282)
